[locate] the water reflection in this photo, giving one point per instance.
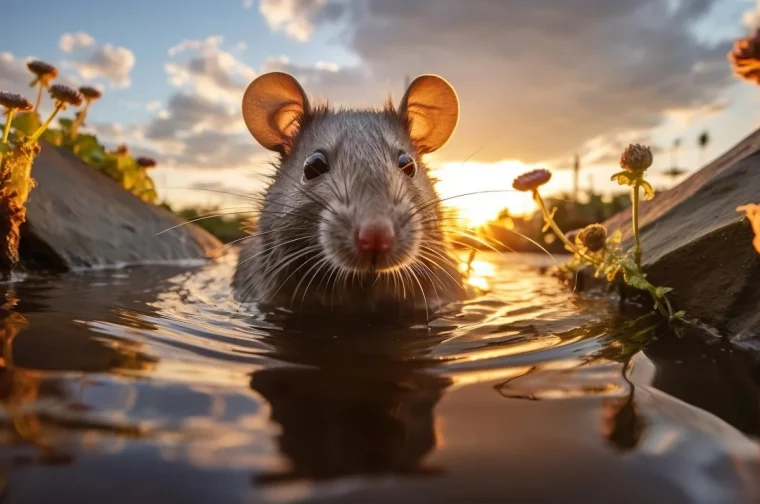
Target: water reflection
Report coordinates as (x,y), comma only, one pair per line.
(154,382)
(351,404)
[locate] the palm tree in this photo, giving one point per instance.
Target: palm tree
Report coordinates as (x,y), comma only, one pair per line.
(703,141)
(674,171)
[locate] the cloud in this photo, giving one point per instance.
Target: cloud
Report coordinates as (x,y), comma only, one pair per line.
(605,151)
(209,43)
(195,132)
(15,77)
(751,18)
(684,117)
(106,61)
(192,113)
(351,85)
(297,18)
(536,80)
(70,42)
(209,71)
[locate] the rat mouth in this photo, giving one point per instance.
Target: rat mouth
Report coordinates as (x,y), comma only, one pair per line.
(376,261)
(343,254)
(369,245)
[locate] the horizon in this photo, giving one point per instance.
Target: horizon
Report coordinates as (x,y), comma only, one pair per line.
(544,87)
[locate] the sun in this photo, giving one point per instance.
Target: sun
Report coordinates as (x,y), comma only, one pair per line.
(477,192)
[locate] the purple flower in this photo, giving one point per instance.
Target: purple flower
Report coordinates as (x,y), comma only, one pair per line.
(13,101)
(65,94)
(532,180)
(636,158)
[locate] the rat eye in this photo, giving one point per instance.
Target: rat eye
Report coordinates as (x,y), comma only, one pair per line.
(407,164)
(315,165)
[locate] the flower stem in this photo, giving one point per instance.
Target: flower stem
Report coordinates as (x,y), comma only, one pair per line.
(635,223)
(8,125)
(58,106)
(79,121)
(549,220)
(39,96)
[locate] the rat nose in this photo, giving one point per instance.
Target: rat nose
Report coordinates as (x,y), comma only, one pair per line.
(375,235)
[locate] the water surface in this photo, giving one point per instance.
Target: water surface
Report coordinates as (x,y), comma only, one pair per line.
(151,384)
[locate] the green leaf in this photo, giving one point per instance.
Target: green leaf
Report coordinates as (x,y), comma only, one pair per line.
(636,280)
(65,123)
(661,291)
(55,137)
(26,123)
(648,190)
(624,178)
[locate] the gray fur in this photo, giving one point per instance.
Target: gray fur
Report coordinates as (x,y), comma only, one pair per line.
(301,254)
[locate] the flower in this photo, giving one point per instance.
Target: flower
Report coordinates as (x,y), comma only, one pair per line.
(593,237)
(146,162)
(532,180)
(636,158)
(753,214)
(745,58)
(65,94)
(121,150)
(45,72)
(90,93)
(13,101)
(571,235)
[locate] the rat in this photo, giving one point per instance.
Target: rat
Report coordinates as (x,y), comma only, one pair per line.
(351,220)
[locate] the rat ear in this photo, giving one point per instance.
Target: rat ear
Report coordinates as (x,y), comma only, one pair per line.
(272,106)
(432,108)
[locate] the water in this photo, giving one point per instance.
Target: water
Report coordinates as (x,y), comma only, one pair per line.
(152,385)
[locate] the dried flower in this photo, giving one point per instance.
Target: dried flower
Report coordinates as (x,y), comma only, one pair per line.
(532,180)
(146,162)
(121,150)
(44,71)
(90,93)
(593,237)
(14,101)
(745,58)
(753,214)
(571,235)
(65,94)
(636,158)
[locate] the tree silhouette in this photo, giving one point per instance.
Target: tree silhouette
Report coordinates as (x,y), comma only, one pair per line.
(674,171)
(703,141)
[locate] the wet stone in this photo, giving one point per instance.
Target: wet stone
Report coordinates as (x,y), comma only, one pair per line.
(696,242)
(79,218)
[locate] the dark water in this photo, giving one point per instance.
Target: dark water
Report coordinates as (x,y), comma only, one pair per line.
(150,385)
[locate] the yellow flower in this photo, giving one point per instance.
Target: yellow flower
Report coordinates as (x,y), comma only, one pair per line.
(753,214)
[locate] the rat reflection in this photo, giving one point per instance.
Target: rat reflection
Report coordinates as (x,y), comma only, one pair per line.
(364,405)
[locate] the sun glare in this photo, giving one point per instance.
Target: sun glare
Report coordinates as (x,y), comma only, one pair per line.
(461,186)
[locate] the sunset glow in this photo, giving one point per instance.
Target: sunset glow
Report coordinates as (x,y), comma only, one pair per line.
(462,186)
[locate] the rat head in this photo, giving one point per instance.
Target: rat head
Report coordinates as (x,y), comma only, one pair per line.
(351,182)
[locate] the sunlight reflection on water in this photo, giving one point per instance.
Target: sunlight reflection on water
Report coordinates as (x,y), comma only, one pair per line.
(124,386)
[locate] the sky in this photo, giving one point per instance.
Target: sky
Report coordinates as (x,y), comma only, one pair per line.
(538,80)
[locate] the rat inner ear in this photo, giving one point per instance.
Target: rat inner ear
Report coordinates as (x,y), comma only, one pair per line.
(432,108)
(272,106)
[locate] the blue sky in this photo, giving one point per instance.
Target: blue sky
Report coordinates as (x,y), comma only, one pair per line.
(547,78)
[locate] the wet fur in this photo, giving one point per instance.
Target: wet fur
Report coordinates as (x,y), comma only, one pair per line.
(301,253)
